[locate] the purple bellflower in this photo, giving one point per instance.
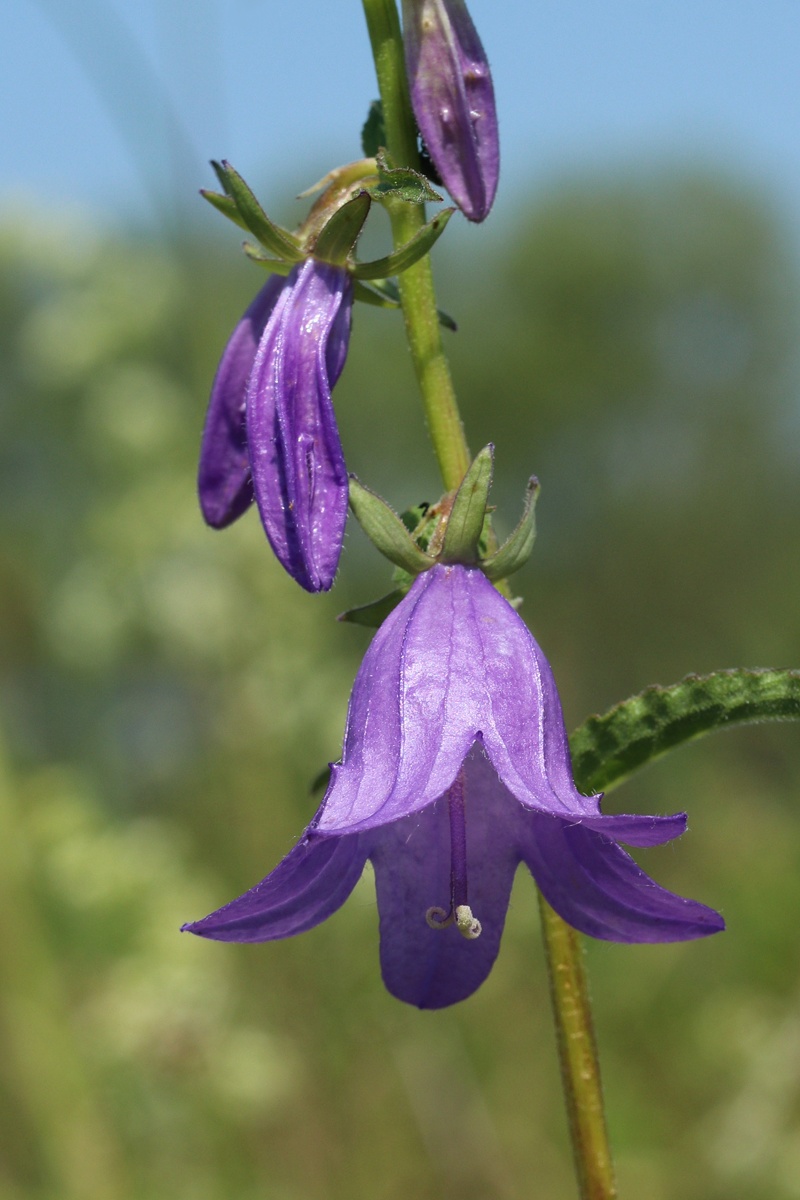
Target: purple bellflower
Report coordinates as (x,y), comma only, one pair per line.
(455,769)
(270,432)
(453,100)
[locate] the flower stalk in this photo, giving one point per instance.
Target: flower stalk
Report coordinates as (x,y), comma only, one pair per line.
(571,1005)
(577,1053)
(417,293)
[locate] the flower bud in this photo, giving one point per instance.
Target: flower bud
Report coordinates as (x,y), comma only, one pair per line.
(453,100)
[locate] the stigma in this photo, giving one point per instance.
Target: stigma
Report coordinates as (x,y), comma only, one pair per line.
(460,914)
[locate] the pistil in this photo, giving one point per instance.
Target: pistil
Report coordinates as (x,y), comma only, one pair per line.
(460,912)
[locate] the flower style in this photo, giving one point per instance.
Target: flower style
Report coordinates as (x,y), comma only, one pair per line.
(453,100)
(271,432)
(455,769)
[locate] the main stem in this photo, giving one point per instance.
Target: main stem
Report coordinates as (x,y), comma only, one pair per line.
(577,1052)
(417,293)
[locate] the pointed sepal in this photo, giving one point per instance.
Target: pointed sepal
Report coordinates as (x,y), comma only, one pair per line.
(404,257)
(336,241)
(468,514)
(384,293)
(386,530)
(516,551)
(224,204)
(279,241)
(375,295)
(276,265)
(372,615)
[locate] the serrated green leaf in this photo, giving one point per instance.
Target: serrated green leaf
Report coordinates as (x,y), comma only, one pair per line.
(386,531)
(373,134)
(374,614)
(467,516)
(278,241)
(606,749)
(399,260)
(401,183)
(517,549)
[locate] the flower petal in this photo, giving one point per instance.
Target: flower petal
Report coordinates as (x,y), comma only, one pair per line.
(432,968)
(598,888)
(451,664)
(224,480)
(309,885)
(299,474)
(406,734)
(638,830)
(453,100)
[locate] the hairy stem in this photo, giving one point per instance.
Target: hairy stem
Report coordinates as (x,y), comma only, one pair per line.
(577,1052)
(416,284)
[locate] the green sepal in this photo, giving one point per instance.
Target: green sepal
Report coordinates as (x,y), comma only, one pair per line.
(384,293)
(399,260)
(517,549)
(606,749)
(374,614)
(373,134)
(271,236)
(224,204)
(386,531)
(257,255)
(222,176)
(401,183)
(338,237)
(468,514)
(371,295)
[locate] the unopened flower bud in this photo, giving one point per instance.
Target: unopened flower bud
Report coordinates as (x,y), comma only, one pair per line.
(453,100)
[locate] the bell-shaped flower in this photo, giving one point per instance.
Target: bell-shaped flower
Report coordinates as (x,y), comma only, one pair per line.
(271,432)
(453,100)
(455,769)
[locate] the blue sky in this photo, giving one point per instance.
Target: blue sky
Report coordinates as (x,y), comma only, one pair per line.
(107,103)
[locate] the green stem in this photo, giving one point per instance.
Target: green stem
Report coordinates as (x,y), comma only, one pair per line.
(577,1052)
(579,1066)
(416,284)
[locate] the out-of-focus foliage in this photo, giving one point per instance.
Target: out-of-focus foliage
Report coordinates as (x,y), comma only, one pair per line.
(168,695)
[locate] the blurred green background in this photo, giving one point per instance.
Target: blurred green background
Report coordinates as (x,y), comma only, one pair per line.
(167,696)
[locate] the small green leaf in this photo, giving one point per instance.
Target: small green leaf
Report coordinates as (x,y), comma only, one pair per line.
(517,549)
(338,237)
(465,523)
(370,294)
(225,205)
(401,183)
(606,749)
(271,236)
(373,135)
(386,531)
(374,614)
(399,260)
(384,293)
